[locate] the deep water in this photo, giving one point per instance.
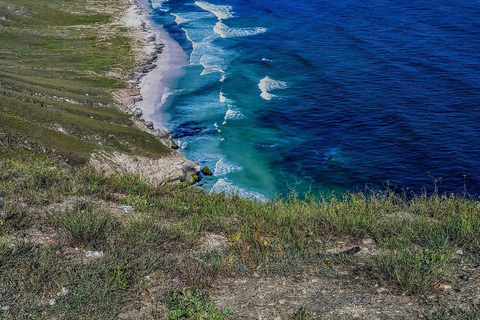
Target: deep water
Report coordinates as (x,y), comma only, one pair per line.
(328,95)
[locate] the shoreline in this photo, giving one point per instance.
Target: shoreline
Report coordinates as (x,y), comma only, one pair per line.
(162,66)
(158,56)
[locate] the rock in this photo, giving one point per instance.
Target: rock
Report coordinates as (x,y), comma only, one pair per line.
(192,179)
(206,171)
(459,252)
(368,241)
(382,290)
(173,145)
(149,124)
(213,242)
(52,302)
(138,112)
(94,254)
(443,287)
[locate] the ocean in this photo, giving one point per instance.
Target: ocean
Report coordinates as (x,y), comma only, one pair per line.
(325,96)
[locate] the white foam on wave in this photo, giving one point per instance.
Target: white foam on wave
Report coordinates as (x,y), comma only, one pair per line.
(204,53)
(232,115)
(167,93)
(159,4)
(212,64)
(223,185)
(222,98)
(185,17)
(180,19)
(223,168)
(266,60)
(223,78)
(225,31)
(222,12)
(268,84)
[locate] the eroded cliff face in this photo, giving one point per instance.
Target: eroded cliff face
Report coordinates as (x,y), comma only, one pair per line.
(168,169)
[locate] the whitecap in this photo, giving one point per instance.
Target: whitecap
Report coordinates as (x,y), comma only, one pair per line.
(268,84)
(185,17)
(223,78)
(159,4)
(222,12)
(179,19)
(225,31)
(222,98)
(223,168)
(232,115)
(223,185)
(212,64)
(266,60)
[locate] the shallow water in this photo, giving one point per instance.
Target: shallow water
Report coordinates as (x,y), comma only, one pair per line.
(328,95)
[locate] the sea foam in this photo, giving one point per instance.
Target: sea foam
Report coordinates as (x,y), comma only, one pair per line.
(223,168)
(232,115)
(212,64)
(225,186)
(185,17)
(159,4)
(222,98)
(268,84)
(222,12)
(225,31)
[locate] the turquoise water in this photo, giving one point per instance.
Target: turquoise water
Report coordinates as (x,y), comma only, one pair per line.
(327,95)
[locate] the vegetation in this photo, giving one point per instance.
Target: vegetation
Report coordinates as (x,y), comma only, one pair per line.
(57,59)
(77,209)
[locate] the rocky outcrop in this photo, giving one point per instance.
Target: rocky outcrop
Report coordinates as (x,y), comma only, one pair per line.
(170,168)
(206,171)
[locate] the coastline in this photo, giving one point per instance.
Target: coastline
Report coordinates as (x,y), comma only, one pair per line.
(160,60)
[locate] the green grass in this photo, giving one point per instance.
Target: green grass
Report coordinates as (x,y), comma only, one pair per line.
(192,304)
(54,83)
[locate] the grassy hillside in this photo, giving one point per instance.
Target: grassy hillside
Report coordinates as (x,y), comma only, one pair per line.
(57,62)
(79,244)
(157,254)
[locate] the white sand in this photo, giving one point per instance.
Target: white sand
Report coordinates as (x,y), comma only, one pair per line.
(155,86)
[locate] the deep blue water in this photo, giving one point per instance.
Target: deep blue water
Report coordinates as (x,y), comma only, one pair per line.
(360,93)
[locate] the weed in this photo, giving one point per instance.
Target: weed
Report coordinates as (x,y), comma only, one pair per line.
(192,304)
(301,314)
(87,226)
(117,276)
(413,271)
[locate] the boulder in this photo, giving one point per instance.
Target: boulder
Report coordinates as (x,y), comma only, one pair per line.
(149,124)
(206,171)
(138,112)
(173,144)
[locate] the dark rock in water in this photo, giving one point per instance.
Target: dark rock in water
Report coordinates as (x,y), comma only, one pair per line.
(174,145)
(206,171)
(138,112)
(149,124)
(196,178)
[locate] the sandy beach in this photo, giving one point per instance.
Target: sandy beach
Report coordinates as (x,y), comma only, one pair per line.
(164,60)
